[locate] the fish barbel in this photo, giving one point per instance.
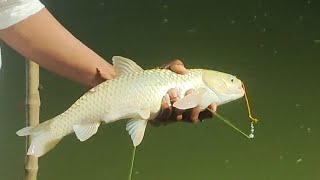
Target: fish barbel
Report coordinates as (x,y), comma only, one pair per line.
(135,94)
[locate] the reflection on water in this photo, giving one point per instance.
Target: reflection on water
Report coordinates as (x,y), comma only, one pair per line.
(272,46)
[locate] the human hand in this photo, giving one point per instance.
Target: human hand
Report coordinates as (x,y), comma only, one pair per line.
(169,114)
(175,66)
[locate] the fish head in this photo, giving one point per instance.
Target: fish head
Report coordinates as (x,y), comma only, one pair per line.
(225,86)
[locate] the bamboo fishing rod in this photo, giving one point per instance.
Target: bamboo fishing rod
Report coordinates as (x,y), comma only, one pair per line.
(32,115)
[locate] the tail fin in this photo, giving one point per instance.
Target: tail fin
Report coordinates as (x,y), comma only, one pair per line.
(42,139)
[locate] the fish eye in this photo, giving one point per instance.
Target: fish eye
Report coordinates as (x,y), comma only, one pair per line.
(232,78)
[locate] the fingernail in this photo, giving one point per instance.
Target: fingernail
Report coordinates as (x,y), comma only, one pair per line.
(190,91)
(174,93)
(182,68)
(214,108)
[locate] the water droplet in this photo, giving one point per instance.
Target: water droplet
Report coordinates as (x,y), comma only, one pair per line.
(254,18)
(232,22)
(101,4)
(165,20)
(308,2)
(263,30)
(280,157)
(226,161)
(309,130)
(40,87)
(251,135)
(137,172)
(191,30)
(316,41)
(275,52)
(265,14)
(301,18)
(299,160)
(261,45)
(165,6)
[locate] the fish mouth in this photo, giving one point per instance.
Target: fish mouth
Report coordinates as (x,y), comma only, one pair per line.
(240,91)
(241,88)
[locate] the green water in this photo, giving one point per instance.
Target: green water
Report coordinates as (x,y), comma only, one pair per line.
(270,45)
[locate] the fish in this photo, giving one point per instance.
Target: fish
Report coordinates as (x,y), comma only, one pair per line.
(134,95)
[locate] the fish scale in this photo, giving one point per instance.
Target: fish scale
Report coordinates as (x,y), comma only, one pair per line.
(135,94)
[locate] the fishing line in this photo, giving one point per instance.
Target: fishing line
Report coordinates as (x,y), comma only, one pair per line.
(253,120)
(132,162)
(231,125)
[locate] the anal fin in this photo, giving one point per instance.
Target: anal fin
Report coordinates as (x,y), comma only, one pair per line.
(85,131)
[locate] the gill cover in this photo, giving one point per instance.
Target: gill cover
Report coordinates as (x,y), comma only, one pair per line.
(214,80)
(226,86)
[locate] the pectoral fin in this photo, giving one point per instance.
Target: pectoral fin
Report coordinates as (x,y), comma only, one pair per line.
(136,129)
(190,101)
(85,131)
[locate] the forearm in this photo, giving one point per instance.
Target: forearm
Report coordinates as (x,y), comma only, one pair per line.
(42,39)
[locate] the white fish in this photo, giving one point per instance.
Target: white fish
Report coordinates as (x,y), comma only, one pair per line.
(135,94)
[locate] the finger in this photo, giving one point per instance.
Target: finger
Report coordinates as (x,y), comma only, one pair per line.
(166,109)
(171,63)
(167,114)
(190,115)
(208,113)
(212,108)
(194,114)
(190,91)
(173,95)
(177,114)
(177,67)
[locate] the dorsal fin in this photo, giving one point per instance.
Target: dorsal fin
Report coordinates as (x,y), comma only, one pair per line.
(124,65)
